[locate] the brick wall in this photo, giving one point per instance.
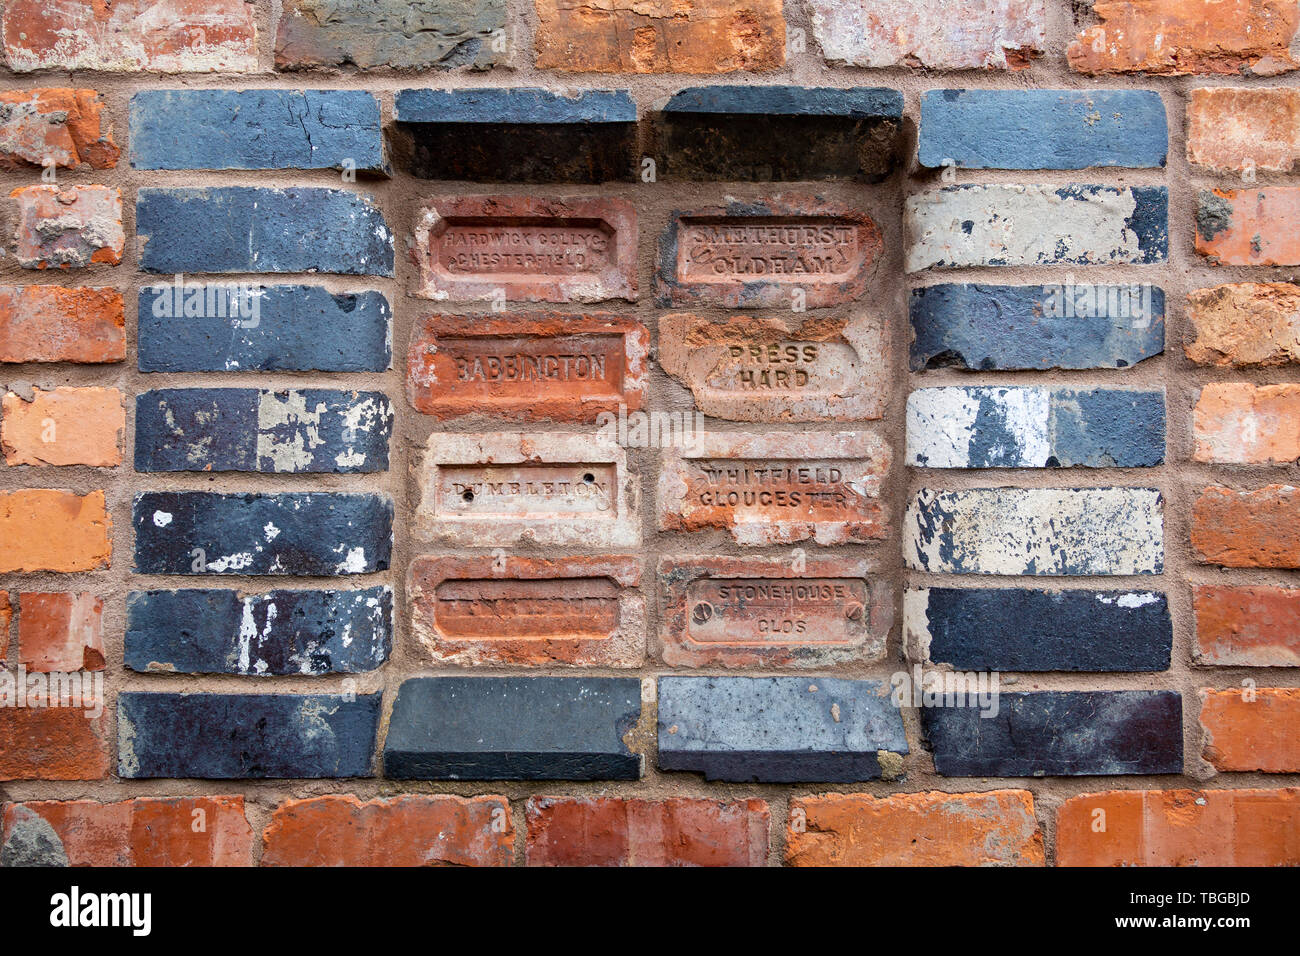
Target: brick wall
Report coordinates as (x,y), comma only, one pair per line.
(334,521)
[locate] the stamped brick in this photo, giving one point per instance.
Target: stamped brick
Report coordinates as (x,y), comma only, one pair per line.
(145,831)
(51,743)
(68,228)
(55,126)
(777,488)
(1259,528)
(523,248)
(579,611)
(410,830)
(996,828)
(1048,531)
(1180,828)
(546,488)
(1245,323)
(64,426)
(513,728)
(60,631)
(43,529)
(763,612)
(613,831)
(215,631)
(627,36)
(780,729)
(1249,227)
(778,368)
(767,254)
(1249,729)
(45,323)
(1002,225)
(1243,626)
(527,366)
(1235,129)
(1244,424)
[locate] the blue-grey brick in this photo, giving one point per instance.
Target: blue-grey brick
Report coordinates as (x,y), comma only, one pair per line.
(1042,129)
(217,631)
(256,129)
(530,105)
(859,102)
(1019,629)
(985,327)
(997,426)
(247,429)
(513,728)
(779,729)
(245,736)
(320,533)
(256,229)
(1059,734)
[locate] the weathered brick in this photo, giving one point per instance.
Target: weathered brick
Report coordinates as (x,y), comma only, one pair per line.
(256,229)
(6,617)
(1259,528)
(1042,129)
(213,631)
(145,831)
(55,126)
(1059,734)
(290,328)
(1249,227)
(581,611)
(981,327)
(68,228)
(1234,130)
(768,254)
(64,742)
(1019,629)
(45,323)
(1180,828)
(523,248)
(934,34)
(245,736)
(513,728)
(1177,37)
(613,831)
(390,33)
(545,488)
(158,36)
(60,631)
(411,830)
(248,429)
(1030,427)
(996,828)
(1252,729)
(763,612)
(44,529)
(1244,424)
(780,729)
(325,533)
(1245,323)
(527,366)
(1052,531)
(630,36)
(256,129)
(64,426)
(1246,626)
(778,368)
(1003,225)
(777,488)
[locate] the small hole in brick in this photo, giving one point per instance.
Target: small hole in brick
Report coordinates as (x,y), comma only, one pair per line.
(589,478)
(468,496)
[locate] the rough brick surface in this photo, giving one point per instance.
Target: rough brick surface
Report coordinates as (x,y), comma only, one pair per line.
(64,426)
(1233,130)
(60,631)
(1246,323)
(1243,424)
(48,324)
(6,618)
(53,743)
(54,126)
(1249,729)
(48,530)
(1247,626)
(68,228)
(1259,528)
(1249,227)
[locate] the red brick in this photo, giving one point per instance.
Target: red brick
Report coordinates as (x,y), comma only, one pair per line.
(340,830)
(1247,626)
(60,631)
(1250,227)
(1231,130)
(146,831)
(1245,323)
(610,831)
(1248,529)
(53,743)
(68,228)
(1180,828)
(997,828)
(1243,424)
(1252,729)
(48,530)
(6,616)
(60,126)
(65,426)
(45,323)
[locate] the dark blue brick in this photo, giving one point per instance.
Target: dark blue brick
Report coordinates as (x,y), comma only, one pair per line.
(254,229)
(216,631)
(245,736)
(513,728)
(858,102)
(1107,427)
(778,729)
(324,533)
(530,105)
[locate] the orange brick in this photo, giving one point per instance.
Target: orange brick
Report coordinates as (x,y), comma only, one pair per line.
(1243,424)
(46,530)
(60,126)
(1248,529)
(1245,323)
(340,830)
(52,743)
(66,426)
(60,631)
(147,831)
(1180,828)
(1249,227)
(1247,626)
(43,323)
(997,828)
(1252,730)
(1231,130)
(68,228)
